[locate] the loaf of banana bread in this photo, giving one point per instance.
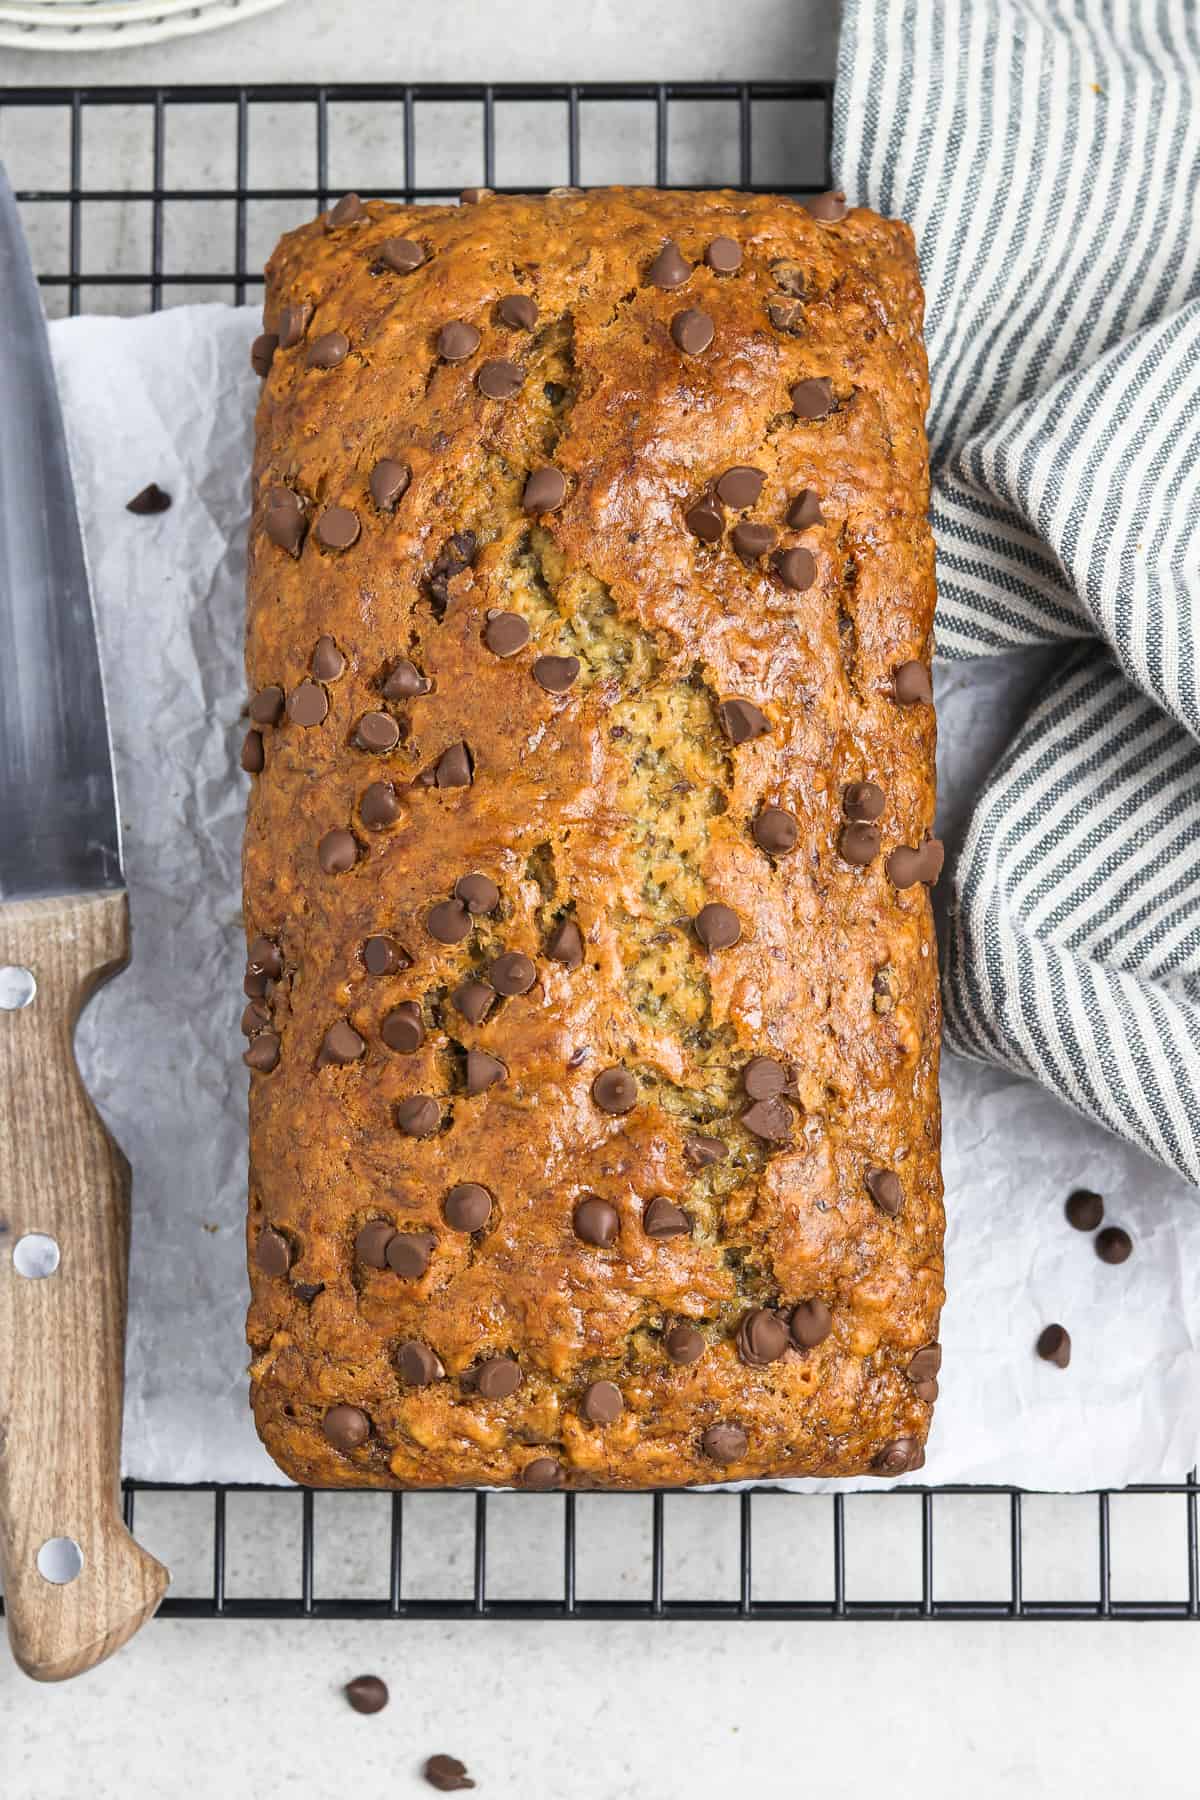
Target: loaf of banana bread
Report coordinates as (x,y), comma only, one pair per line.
(591,997)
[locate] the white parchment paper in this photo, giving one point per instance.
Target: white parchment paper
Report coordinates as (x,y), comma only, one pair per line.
(170,399)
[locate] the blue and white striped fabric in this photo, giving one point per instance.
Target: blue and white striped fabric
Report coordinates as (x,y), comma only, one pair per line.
(1047,155)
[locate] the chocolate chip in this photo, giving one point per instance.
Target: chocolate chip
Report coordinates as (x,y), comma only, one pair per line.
(545,490)
(405,681)
(389,482)
(813,399)
(346,1427)
(454,767)
(293,323)
(771,1120)
(266,708)
(542,1474)
(384,956)
(810,1323)
(565,944)
(379,806)
(512,973)
(263,1053)
(752,541)
(683,1344)
(595,1221)
(151,499)
(403,1029)
(741,720)
(519,311)
(718,927)
(796,568)
(253,757)
(898,1457)
(692,331)
(500,380)
(805,510)
(377,732)
(775,831)
(614,1091)
(602,1403)
(417,1365)
(349,210)
(408,1253)
(703,1151)
(763,1078)
(457,341)
(419,1116)
(338,528)
(308,704)
(402,255)
(669,269)
(337,852)
(663,1219)
(255,986)
(370,1246)
(883,1185)
(446,1773)
(705,520)
(762,1338)
(478,893)
(327,351)
(483,1071)
(263,957)
(912,685)
(255,1018)
(366,1693)
(498,1378)
(471,196)
(1084,1210)
(467,1206)
(925,1364)
(828,208)
(906,866)
(786,315)
(262,353)
(328,663)
(862,800)
(556,673)
(505,634)
(1112,1244)
(273,1253)
(860,845)
(341,1044)
(284,521)
(474,1000)
(740,487)
(724,255)
(725,1443)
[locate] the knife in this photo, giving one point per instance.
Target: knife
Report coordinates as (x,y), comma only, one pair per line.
(76,1584)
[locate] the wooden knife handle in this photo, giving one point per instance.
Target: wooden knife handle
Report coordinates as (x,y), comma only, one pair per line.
(62,1335)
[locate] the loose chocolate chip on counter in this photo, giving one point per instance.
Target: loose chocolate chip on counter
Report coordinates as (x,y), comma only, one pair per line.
(810,1324)
(401,255)
(446,1773)
(474,1000)
(595,1222)
(912,685)
(408,1253)
(262,353)
(741,720)
(405,681)
(346,1427)
(805,510)
(519,311)
(382,955)
(366,1693)
(705,520)
(602,1403)
(1084,1210)
(349,210)
(264,958)
(253,757)
(898,1457)
(565,944)
(775,831)
(500,380)
(692,331)
(263,1053)
(723,255)
(417,1365)
(1054,1345)
(614,1091)
(403,1029)
(683,1344)
(813,399)
(327,351)
(771,1120)
(273,1253)
(829,208)
(255,1018)
(266,708)
(907,866)
(862,800)
(338,528)
(284,520)
(556,673)
(924,1366)
(337,852)
(151,499)
(762,1338)
(388,482)
(419,1116)
(542,1475)
(663,1219)
(379,806)
(763,1078)
(370,1246)
(1113,1245)
(498,1378)
(703,1151)
(457,341)
(328,663)
(512,973)
(505,633)
(483,1071)
(669,269)
(796,568)
(725,1443)
(718,927)
(545,490)
(740,487)
(752,541)
(308,704)
(860,845)
(467,1206)
(341,1044)
(454,767)
(883,1185)
(478,893)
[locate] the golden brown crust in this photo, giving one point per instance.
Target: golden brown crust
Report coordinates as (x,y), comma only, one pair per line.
(620,805)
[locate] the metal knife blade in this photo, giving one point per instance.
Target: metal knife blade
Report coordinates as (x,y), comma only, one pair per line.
(58,805)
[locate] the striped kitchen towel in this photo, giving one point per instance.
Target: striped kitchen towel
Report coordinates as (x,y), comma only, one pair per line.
(1047,156)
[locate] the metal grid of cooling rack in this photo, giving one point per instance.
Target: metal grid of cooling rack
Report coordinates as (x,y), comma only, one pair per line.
(198,233)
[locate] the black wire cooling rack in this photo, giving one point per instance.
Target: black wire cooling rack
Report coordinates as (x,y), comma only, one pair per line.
(191,215)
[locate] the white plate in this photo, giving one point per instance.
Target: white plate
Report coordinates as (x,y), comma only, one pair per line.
(84,25)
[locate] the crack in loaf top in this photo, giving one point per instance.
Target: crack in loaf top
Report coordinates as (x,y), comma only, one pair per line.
(592,1008)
